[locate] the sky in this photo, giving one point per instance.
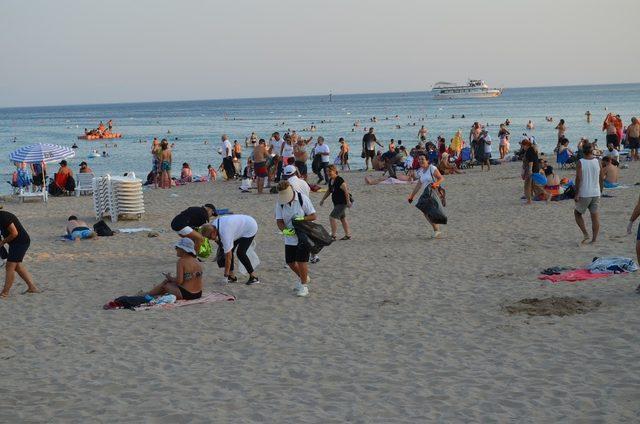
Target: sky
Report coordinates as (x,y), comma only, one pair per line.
(85,52)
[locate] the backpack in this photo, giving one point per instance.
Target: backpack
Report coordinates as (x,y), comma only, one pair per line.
(102,229)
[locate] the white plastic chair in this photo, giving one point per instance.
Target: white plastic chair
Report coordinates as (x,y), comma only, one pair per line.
(84,183)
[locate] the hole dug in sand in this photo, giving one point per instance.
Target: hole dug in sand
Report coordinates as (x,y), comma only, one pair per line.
(550,306)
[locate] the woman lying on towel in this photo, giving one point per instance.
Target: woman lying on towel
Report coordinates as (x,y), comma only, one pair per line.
(187,284)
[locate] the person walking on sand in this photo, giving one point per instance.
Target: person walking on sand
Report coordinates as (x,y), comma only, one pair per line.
(368,148)
(341,201)
(589,178)
(344,154)
(430,178)
(292,206)
(322,149)
(17,239)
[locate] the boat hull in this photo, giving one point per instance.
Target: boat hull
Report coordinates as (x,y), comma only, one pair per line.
(479,95)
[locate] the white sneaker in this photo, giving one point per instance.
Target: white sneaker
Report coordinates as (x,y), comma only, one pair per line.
(303,292)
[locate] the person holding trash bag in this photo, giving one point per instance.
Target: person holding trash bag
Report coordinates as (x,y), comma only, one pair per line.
(430,202)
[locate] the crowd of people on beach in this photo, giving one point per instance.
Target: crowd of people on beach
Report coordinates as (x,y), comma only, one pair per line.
(281,166)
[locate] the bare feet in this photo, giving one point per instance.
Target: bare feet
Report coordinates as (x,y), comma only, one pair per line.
(4,295)
(585,239)
(31,291)
(437,235)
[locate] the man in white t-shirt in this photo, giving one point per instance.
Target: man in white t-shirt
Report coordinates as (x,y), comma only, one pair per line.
(235,233)
(292,206)
(323,150)
(227,157)
(292,175)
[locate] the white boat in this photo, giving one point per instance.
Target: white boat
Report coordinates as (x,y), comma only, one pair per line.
(475,89)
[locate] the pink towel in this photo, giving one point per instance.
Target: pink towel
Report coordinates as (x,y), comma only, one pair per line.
(576,275)
(206,298)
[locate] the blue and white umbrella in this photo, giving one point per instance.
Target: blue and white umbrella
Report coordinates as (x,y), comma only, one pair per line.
(41,152)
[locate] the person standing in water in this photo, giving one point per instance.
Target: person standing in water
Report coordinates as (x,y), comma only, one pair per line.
(17,240)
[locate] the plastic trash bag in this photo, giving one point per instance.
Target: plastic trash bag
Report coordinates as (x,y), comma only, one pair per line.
(253,258)
(313,235)
(429,204)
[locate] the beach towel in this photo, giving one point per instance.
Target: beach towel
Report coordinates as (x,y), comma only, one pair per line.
(571,276)
(206,298)
(391,180)
(134,230)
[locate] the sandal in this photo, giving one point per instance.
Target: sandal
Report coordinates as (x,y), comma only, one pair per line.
(334,238)
(346,238)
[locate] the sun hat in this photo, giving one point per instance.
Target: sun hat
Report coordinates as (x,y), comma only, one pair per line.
(289,170)
(186,245)
(285,196)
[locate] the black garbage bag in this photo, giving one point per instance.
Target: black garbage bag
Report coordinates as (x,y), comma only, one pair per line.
(313,235)
(429,204)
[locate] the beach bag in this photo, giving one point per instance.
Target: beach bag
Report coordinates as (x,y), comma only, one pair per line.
(220,257)
(363,154)
(314,236)
(102,229)
(429,204)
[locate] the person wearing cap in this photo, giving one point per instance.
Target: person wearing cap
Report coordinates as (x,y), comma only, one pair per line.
(290,173)
(292,206)
(189,220)
(188,283)
(84,168)
(234,233)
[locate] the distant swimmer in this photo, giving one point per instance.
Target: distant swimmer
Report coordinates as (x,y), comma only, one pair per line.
(422,133)
(588,115)
(75,146)
(530,125)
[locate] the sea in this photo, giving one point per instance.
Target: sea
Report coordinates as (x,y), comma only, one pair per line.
(195,127)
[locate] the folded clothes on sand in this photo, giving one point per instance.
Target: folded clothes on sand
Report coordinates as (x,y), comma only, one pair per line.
(575,275)
(555,270)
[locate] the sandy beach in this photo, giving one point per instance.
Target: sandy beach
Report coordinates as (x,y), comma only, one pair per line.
(398,327)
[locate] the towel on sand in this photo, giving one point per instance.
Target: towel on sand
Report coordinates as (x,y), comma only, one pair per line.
(576,275)
(206,298)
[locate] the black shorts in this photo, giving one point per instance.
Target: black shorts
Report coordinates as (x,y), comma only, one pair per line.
(299,253)
(302,167)
(370,153)
(17,251)
(634,143)
(338,212)
(613,139)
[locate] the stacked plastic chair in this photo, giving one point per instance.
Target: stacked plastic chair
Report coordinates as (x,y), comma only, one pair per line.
(118,196)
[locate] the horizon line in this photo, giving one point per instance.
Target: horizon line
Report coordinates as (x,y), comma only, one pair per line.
(290,96)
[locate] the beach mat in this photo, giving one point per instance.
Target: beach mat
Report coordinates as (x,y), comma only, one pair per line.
(206,298)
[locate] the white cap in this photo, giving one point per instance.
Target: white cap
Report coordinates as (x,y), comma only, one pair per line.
(289,170)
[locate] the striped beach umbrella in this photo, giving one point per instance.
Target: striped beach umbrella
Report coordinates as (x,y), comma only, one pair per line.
(41,152)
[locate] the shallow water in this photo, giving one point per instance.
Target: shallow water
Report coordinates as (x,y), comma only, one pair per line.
(194,122)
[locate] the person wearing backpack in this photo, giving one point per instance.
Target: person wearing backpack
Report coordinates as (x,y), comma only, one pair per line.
(296,206)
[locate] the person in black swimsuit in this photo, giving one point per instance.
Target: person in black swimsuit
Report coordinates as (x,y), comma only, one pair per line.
(17,239)
(187,284)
